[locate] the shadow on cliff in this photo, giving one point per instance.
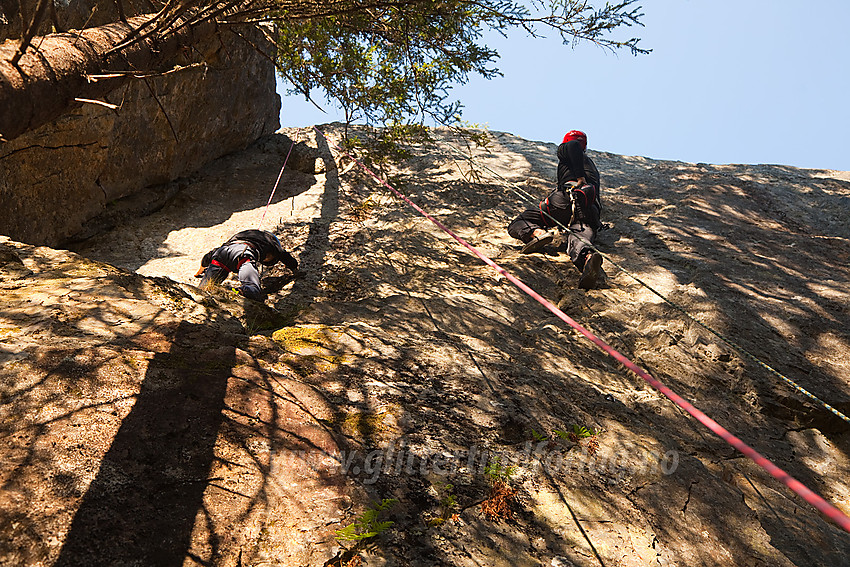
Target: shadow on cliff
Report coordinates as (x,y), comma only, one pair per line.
(706,238)
(755,251)
(143,503)
(703,239)
(136,230)
(749,248)
(312,257)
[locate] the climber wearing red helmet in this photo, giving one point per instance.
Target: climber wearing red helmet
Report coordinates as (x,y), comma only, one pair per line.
(576,135)
(574,204)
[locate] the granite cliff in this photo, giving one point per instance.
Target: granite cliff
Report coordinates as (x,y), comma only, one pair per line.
(125,153)
(147,422)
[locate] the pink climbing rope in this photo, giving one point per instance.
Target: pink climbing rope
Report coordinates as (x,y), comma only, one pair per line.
(795,485)
(279,175)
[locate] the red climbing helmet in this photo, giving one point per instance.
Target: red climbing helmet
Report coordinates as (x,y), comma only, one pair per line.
(576,135)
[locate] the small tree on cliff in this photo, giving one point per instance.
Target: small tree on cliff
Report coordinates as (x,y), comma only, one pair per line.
(387,61)
(396,63)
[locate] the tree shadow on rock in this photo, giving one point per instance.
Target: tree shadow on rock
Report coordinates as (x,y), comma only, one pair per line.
(312,259)
(141,506)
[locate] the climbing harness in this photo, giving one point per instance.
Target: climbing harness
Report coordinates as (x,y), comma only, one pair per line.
(808,495)
(242,261)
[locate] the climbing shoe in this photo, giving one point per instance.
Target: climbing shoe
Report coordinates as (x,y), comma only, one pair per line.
(538,242)
(591,272)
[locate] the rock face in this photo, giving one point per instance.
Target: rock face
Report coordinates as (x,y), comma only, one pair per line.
(68,15)
(146,422)
(58,178)
(120,396)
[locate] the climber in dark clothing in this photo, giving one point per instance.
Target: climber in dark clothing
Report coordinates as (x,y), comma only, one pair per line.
(574,204)
(240,255)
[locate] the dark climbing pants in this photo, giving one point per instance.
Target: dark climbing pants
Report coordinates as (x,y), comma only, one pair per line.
(577,247)
(525,224)
(529,220)
(249,277)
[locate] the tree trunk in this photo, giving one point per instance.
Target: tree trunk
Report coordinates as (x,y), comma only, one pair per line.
(56,70)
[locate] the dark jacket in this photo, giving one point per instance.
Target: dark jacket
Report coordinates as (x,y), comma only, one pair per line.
(573,163)
(251,244)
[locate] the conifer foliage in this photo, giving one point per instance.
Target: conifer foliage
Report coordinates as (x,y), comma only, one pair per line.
(385,62)
(393,63)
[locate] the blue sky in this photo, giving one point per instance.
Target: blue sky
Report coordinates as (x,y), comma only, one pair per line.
(728,81)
